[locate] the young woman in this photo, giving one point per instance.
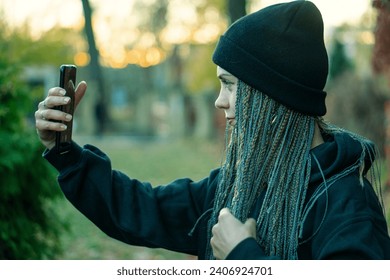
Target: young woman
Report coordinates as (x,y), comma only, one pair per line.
(292,186)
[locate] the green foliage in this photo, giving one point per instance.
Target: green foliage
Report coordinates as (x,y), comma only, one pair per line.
(54,47)
(203,76)
(50,48)
(339,62)
(356,103)
(29,228)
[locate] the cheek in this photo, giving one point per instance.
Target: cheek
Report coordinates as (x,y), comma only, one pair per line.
(233,100)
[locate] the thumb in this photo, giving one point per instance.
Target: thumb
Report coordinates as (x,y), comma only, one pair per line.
(79,92)
(250,224)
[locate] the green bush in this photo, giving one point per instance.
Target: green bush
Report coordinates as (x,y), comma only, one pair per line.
(29,227)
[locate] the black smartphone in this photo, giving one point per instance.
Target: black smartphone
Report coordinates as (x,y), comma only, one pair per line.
(67,82)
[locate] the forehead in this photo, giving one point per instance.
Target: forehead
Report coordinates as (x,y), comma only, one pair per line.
(221,71)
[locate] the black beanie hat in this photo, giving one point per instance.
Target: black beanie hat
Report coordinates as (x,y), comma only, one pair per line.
(279,51)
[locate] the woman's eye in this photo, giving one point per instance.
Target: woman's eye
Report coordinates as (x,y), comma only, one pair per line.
(227,84)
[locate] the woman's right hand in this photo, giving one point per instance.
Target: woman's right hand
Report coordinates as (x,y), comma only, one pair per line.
(47,118)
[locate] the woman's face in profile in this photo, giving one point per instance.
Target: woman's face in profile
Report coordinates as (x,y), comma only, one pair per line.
(227,95)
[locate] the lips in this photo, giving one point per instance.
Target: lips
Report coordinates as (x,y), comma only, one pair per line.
(231,121)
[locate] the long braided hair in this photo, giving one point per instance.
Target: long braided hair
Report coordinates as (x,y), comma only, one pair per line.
(267,154)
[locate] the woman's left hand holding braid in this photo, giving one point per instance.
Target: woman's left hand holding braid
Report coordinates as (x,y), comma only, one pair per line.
(229,232)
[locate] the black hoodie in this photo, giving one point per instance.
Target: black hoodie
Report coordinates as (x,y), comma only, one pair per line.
(345,221)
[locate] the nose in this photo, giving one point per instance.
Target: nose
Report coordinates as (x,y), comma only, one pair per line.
(222,102)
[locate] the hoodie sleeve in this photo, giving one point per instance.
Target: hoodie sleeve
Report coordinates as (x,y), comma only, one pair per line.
(127,209)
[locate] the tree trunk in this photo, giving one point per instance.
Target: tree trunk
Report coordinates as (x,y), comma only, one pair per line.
(381,64)
(101,115)
(236,9)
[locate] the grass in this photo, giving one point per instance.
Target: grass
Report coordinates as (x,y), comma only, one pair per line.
(155,162)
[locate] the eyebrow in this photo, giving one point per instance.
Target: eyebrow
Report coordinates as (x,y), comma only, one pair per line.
(224,76)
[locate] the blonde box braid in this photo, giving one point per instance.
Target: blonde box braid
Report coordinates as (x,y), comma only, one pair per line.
(268,153)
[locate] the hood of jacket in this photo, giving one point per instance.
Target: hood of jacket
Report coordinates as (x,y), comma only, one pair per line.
(340,151)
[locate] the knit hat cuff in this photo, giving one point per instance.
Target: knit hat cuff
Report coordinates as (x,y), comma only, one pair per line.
(234,59)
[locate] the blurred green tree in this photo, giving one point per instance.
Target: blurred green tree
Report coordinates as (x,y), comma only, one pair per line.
(49,48)
(340,63)
(29,227)
(236,9)
(356,98)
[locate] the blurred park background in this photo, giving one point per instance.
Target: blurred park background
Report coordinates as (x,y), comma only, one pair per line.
(150,101)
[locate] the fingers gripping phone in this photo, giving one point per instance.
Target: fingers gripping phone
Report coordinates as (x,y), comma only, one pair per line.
(67,82)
